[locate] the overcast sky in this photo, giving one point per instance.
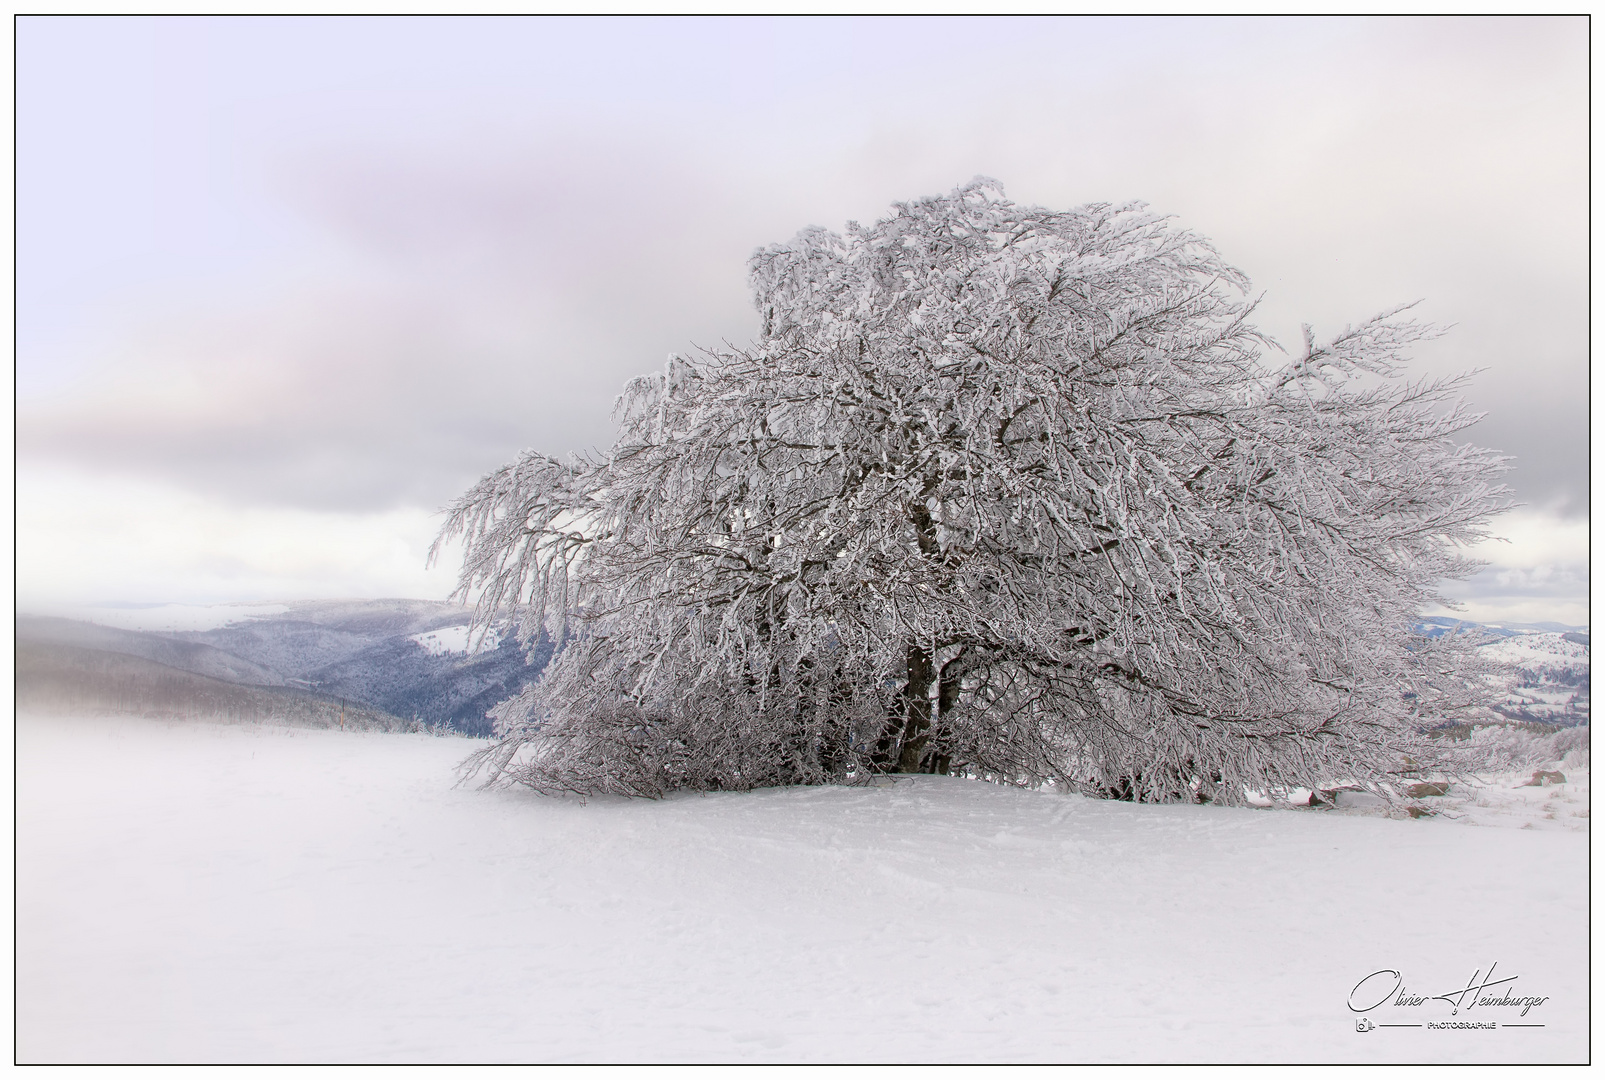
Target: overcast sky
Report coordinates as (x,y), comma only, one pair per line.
(285,287)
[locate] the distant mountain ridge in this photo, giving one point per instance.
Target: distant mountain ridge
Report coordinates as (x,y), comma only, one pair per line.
(1433,625)
(411,659)
(52,677)
(192,656)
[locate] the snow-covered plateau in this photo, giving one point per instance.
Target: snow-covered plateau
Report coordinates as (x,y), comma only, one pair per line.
(456,641)
(204,892)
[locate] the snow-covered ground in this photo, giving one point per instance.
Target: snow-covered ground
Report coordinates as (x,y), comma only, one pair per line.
(457,640)
(214,893)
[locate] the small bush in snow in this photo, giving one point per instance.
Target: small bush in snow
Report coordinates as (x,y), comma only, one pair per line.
(1509,747)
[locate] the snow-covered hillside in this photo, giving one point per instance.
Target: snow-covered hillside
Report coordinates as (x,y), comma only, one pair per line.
(212,893)
(1549,663)
(1543,652)
(170,618)
(1552,682)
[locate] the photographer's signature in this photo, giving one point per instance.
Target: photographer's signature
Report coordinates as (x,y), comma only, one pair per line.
(1386,986)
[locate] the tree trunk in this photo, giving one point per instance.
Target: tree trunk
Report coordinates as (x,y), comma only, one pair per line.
(905,744)
(950,682)
(916,709)
(921,664)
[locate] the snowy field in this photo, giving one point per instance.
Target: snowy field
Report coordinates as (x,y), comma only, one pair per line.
(456,641)
(213,893)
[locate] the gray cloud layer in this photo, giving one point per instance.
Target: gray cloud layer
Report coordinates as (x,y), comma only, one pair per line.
(357,311)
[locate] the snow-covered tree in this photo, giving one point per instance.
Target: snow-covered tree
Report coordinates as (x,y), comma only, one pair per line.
(998,489)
